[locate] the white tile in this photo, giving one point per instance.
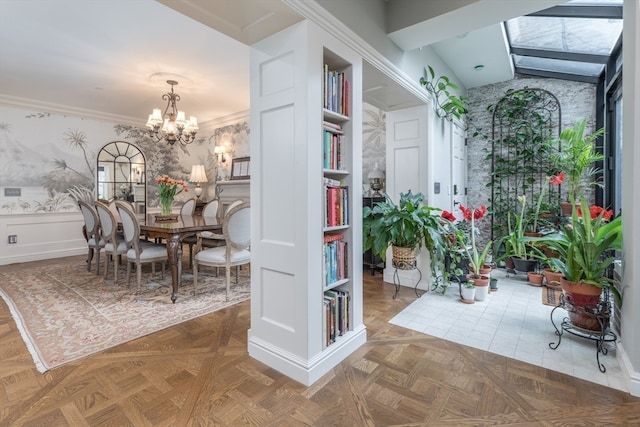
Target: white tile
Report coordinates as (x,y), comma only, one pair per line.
(514,323)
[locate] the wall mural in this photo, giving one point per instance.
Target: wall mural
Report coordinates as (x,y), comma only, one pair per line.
(48,160)
(374,143)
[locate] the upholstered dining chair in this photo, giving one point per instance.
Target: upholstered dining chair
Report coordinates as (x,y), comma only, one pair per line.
(189,207)
(91,233)
(209,210)
(139,251)
(236,252)
(114,244)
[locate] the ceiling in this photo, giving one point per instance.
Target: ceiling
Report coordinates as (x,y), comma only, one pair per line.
(115,56)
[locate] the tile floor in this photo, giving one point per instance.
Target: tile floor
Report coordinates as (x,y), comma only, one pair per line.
(511,322)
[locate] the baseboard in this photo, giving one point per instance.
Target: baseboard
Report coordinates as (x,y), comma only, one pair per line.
(630,374)
(306,371)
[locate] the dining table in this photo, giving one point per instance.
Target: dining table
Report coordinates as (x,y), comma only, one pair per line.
(173,231)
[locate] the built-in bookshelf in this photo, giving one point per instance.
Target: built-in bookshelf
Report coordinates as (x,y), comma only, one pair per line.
(337,179)
(306,259)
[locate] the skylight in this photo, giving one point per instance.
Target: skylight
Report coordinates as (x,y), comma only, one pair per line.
(570,41)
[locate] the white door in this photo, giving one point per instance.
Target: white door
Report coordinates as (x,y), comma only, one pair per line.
(459,170)
(408,169)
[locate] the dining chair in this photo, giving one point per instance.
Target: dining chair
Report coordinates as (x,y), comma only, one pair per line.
(114,244)
(209,210)
(91,233)
(189,207)
(236,252)
(139,251)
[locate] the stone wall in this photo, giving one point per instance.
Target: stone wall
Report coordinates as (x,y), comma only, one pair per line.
(577,101)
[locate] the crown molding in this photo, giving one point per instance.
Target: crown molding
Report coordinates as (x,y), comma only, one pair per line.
(319,16)
(49,107)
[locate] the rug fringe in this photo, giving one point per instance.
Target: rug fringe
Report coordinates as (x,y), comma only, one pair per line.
(24,333)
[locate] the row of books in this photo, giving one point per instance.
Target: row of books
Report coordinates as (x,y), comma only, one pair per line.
(335,316)
(337,205)
(336,91)
(335,255)
(333,149)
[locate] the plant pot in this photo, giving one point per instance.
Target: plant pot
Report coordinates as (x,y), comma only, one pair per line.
(482,280)
(485,270)
(493,284)
(524,265)
(468,295)
(566,208)
(404,258)
(535,278)
(509,264)
(580,301)
(552,278)
(481,291)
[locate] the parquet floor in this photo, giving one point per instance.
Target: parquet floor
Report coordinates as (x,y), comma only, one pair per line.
(199,374)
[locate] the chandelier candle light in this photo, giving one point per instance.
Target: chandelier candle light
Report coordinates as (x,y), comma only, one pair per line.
(198,175)
(172,125)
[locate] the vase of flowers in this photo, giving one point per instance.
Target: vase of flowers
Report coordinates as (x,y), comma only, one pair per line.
(169,188)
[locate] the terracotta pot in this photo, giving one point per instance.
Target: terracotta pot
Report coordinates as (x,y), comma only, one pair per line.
(535,278)
(509,264)
(577,297)
(552,278)
(485,270)
(566,208)
(478,281)
(532,234)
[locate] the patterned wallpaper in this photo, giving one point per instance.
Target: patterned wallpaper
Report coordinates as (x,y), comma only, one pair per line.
(48,160)
(373,143)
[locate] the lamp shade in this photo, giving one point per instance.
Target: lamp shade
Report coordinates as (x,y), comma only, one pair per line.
(198,174)
(376,173)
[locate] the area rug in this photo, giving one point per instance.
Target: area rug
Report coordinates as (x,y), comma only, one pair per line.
(66,313)
(551,296)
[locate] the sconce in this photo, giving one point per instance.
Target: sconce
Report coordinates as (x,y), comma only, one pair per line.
(198,175)
(376,178)
(219,151)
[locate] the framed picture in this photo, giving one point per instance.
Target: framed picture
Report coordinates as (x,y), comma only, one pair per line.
(240,168)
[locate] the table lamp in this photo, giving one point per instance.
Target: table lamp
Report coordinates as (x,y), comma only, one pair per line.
(198,175)
(376,177)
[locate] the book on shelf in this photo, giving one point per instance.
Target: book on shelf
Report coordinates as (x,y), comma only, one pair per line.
(335,314)
(336,205)
(336,91)
(335,259)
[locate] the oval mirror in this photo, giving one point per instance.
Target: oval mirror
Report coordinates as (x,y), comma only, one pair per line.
(121,174)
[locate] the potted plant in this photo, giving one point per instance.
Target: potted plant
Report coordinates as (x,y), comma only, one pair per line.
(576,159)
(522,255)
(467,292)
(405,227)
(584,248)
(476,256)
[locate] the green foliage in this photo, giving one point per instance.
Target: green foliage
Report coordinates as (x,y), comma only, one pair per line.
(447,105)
(584,246)
(407,224)
(576,158)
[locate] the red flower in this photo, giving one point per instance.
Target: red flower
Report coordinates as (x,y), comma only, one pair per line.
(595,211)
(475,214)
(557,179)
(448,216)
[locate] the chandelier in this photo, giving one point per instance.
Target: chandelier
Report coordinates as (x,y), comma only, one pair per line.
(172,125)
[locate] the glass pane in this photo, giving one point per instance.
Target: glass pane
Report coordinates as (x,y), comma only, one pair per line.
(558,65)
(580,35)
